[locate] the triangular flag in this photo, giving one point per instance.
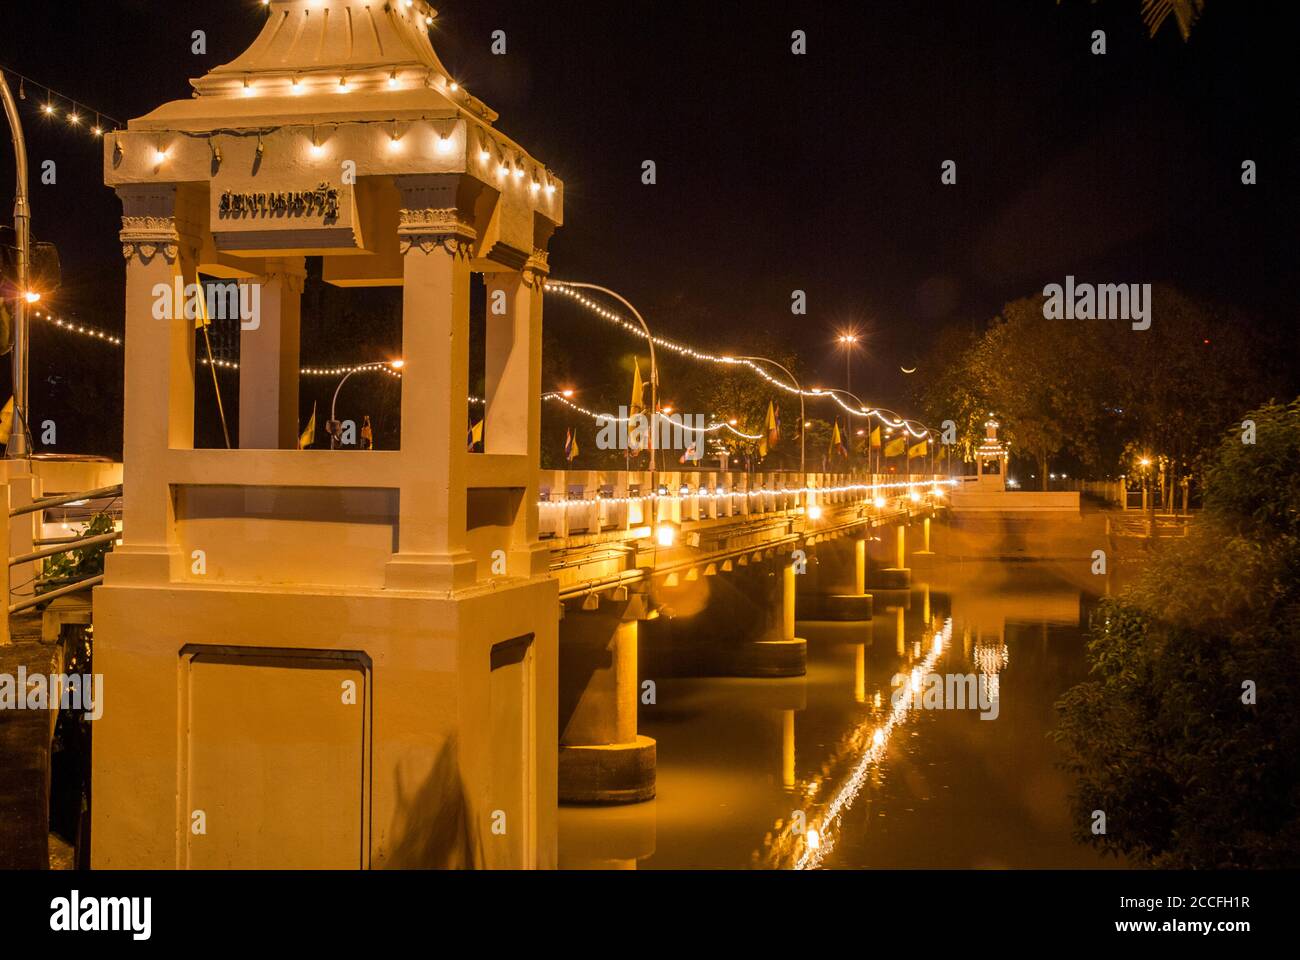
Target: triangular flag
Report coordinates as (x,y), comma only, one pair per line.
(875,438)
(635,407)
(6,422)
(475,435)
(308,436)
(570,446)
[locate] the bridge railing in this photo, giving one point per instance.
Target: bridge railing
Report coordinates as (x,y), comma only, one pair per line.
(575,502)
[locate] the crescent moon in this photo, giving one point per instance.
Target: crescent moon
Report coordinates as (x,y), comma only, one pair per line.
(905,370)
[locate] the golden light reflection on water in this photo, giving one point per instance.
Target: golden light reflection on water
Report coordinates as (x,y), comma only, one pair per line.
(808,844)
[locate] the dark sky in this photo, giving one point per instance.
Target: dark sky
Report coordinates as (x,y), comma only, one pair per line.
(817,172)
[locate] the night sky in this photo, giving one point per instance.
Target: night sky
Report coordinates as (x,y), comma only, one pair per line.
(779,172)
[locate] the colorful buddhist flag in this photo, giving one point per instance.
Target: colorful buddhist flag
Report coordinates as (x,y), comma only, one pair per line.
(570,446)
(837,442)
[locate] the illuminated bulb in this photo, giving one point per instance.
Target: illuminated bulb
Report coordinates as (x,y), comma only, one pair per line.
(880,503)
(393,82)
(159,156)
(519,173)
(49,109)
(444,144)
(395,143)
(666,535)
(878,738)
(32,296)
(98,132)
(343,84)
(814,840)
(428,21)
(73,118)
(914,497)
(566,393)
(454,86)
(815,512)
(398,364)
(550,188)
(502,170)
(248,88)
(936,492)
(317,149)
(484,156)
(295,87)
(534,186)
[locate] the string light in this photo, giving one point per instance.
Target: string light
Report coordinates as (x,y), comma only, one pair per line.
(558,286)
(74,112)
(78,328)
(721,494)
(663,415)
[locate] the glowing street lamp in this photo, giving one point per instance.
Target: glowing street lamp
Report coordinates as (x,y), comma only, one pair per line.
(849,341)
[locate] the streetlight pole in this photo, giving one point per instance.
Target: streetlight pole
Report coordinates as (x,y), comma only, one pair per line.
(332,426)
(803,430)
(654,366)
(22,227)
(849,341)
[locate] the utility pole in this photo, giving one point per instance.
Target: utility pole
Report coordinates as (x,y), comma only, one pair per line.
(22,228)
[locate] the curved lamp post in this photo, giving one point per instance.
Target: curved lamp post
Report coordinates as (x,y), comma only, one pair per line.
(332,425)
(802,420)
(22,227)
(654,366)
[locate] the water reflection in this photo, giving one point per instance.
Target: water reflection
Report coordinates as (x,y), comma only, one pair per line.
(843,768)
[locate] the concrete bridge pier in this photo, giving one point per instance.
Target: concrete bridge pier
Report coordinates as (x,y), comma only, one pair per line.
(897,576)
(834,586)
(602,757)
(776,652)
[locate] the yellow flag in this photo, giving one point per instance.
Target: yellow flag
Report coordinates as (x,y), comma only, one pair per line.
(635,408)
(308,436)
(895,448)
(201,320)
(875,438)
(475,435)
(920,450)
(6,421)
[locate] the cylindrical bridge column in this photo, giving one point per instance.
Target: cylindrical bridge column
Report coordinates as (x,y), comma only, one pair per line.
(602,757)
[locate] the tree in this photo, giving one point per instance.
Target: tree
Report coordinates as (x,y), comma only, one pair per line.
(1187,736)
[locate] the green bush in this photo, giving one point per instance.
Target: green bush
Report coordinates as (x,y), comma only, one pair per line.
(1162,738)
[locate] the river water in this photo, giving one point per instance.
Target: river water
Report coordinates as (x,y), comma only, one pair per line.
(828,771)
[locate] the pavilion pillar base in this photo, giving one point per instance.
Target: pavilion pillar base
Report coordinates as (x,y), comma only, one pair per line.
(767,658)
(608,773)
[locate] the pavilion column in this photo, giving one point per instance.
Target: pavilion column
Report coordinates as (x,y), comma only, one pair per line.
(436,242)
(160,245)
(269,359)
(513,375)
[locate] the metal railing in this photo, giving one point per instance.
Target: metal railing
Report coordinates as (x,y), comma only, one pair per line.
(58,545)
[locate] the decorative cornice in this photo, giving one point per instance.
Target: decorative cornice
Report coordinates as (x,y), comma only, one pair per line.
(537,269)
(146,237)
(429,228)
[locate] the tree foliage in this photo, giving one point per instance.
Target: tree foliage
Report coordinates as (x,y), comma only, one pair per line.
(1190,768)
(1098,390)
